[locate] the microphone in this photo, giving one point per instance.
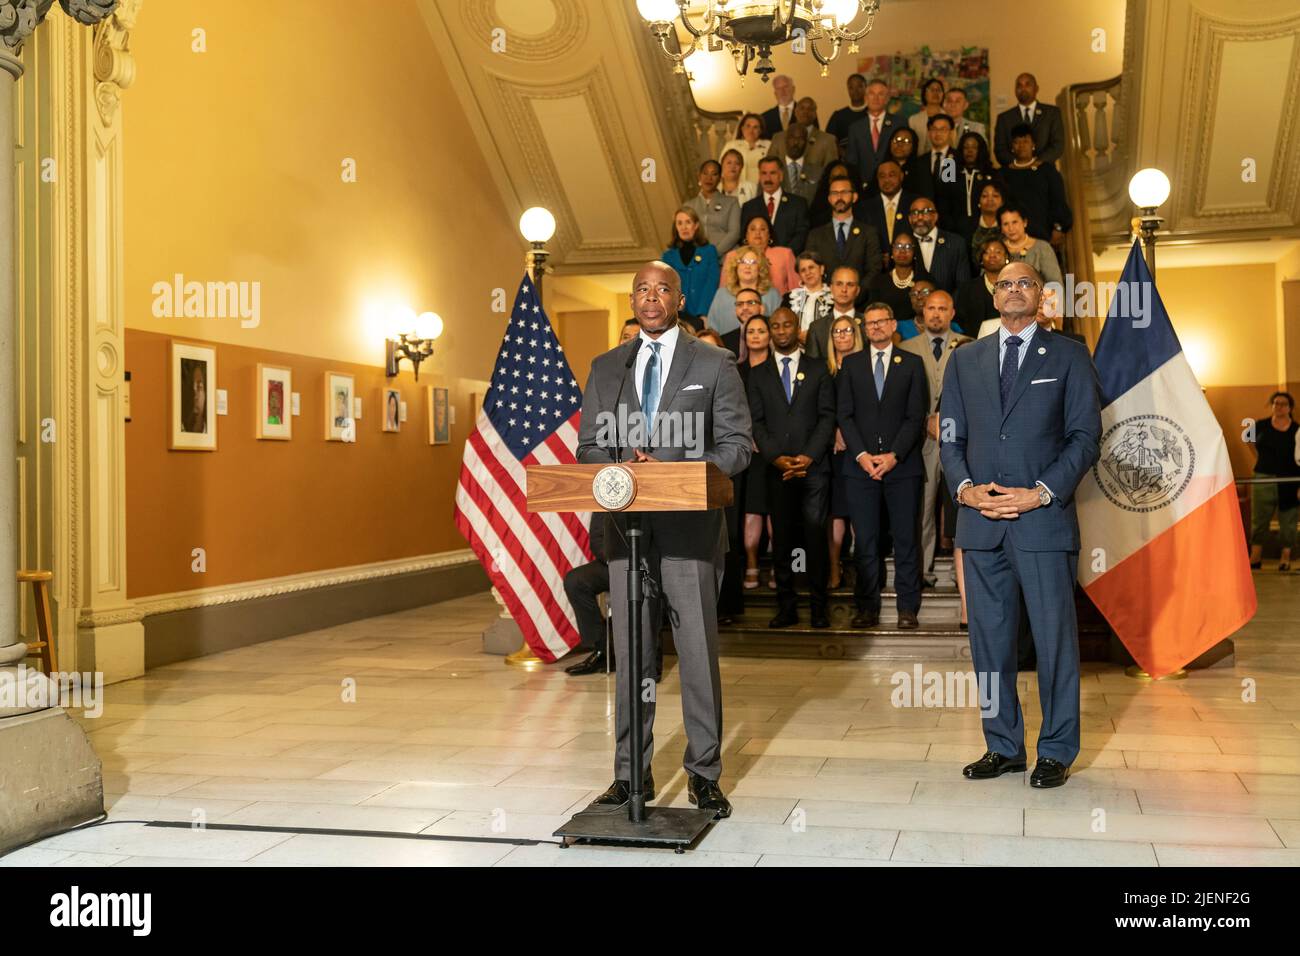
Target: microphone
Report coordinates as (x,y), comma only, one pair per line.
(631,360)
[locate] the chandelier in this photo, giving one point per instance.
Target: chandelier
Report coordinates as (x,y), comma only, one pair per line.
(748,29)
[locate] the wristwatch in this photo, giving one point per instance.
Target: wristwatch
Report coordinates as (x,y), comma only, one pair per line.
(1044,496)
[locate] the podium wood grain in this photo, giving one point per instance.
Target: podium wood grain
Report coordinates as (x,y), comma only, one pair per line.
(660,486)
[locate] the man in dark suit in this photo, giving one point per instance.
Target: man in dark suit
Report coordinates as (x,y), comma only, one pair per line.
(801,173)
(792,406)
(786,215)
(664,371)
(869,139)
(846,241)
(782,114)
(822,150)
(1043,118)
(883,400)
(583,586)
(887,211)
(1021,423)
(942,254)
(845,289)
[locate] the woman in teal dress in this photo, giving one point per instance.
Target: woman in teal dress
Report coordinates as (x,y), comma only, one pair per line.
(695,260)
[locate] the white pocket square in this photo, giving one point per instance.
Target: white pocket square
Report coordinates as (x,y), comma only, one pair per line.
(691,388)
(1040,381)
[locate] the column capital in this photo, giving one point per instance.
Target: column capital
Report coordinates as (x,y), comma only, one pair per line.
(20,18)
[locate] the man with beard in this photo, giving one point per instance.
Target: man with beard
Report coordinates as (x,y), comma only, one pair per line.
(845,240)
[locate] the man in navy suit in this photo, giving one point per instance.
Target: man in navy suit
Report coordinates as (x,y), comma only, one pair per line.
(787,215)
(869,138)
(1043,118)
(792,407)
(940,253)
(1019,426)
(883,397)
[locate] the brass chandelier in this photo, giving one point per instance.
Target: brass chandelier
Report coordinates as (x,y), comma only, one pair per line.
(748,29)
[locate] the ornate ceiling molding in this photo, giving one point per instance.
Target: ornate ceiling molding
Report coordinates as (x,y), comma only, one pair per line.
(19,18)
(566,34)
(114,65)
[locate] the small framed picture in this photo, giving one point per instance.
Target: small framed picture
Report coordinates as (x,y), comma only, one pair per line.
(392,408)
(439,423)
(274,386)
(193,397)
(340,389)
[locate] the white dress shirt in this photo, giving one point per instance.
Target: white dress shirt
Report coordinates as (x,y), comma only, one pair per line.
(668,344)
(927,246)
(776,203)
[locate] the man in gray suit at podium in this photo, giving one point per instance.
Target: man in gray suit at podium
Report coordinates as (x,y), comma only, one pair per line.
(1019,427)
(666,373)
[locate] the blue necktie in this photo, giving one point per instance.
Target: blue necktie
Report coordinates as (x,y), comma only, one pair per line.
(880,374)
(1010,365)
(785,380)
(839,237)
(938,348)
(650,385)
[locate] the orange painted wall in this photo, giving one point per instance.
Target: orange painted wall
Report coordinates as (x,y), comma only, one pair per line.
(264,509)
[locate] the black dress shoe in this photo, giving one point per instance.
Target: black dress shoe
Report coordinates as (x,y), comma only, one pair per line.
(865,619)
(993,765)
(1049,773)
(707,795)
(595,664)
(784,619)
(820,620)
(620,790)
(907,621)
(725,620)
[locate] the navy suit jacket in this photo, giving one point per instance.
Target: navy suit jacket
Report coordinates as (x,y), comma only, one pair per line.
(893,422)
(805,425)
(791,229)
(860,153)
(950,266)
(1049,432)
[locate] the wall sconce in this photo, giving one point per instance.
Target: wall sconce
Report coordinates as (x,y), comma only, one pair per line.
(416,344)
(1148,189)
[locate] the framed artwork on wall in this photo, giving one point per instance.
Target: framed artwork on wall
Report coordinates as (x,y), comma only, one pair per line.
(392,409)
(274,386)
(436,415)
(193,406)
(340,389)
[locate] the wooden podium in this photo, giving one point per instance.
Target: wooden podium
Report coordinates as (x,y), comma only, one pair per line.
(632,489)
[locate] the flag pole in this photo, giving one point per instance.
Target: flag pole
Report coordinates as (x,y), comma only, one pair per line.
(534,264)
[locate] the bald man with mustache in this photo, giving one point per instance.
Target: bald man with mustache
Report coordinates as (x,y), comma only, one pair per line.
(1019,427)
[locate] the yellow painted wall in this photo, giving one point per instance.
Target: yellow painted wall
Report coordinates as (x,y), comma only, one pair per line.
(233,172)
(1006,28)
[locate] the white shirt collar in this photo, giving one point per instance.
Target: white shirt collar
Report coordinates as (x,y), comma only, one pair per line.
(667,341)
(776,196)
(886,352)
(1025,334)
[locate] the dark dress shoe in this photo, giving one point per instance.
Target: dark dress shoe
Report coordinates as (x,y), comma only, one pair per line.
(707,795)
(725,620)
(620,790)
(1049,773)
(993,765)
(784,619)
(820,620)
(907,621)
(865,619)
(595,664)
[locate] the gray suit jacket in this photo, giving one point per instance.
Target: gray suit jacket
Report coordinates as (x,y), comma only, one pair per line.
(920,345)
(822,148)
(718,408)
(720,216)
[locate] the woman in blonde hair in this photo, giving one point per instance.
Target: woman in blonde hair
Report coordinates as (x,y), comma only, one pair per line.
(750,144)
(747,269)
(780,260)
(695,261)
(733,182)
(846,338)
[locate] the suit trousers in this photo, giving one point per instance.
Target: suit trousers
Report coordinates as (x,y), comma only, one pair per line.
(688,592)
(799,508)
(583,585)
(869,501)
(929,501)
(731,595)
(995,581)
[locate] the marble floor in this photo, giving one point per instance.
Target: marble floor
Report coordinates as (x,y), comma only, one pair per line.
(441,740)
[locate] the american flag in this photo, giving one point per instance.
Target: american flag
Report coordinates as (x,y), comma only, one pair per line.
(529,417)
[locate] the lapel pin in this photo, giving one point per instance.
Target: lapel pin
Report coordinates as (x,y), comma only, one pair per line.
(785,199)
(856,230)
(799,377)
(941,240)
(1042,350)
(898,359)
(698,259)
